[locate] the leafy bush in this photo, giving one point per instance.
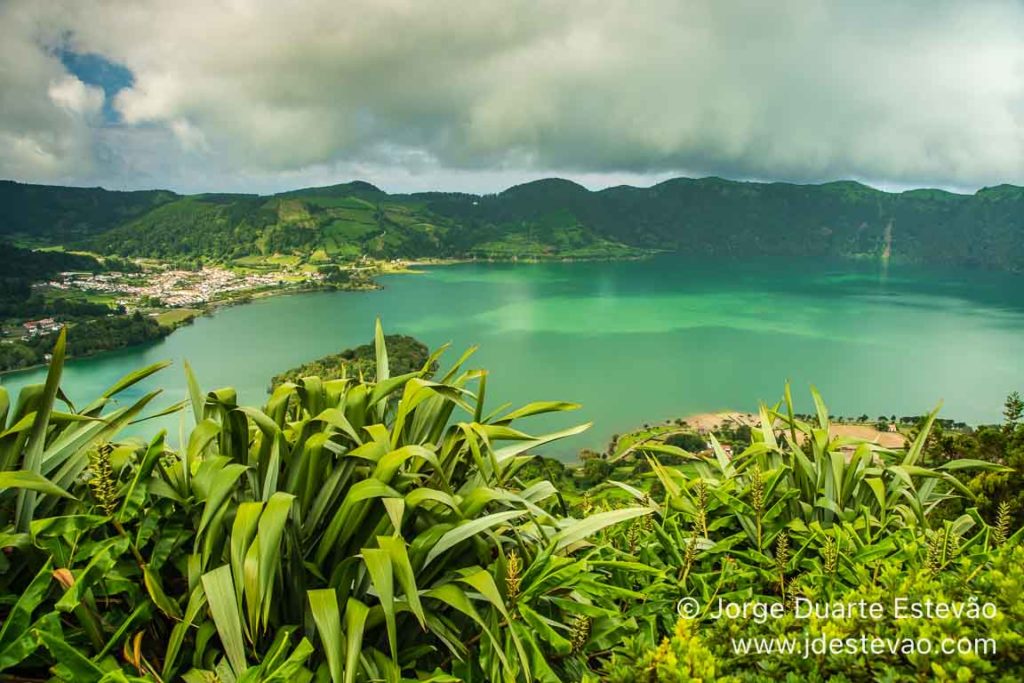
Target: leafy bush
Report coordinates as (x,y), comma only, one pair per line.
(395,529)
(707,650)
(797,513)
(347,531)
(998,444)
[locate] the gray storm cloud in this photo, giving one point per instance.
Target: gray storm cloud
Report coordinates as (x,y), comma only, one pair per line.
(928,93)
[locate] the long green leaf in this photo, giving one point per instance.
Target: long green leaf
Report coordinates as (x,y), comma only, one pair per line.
(323,603)
(16,643)
(220,594)
(30,481)
(469,529)
(383,370)
(36,441)
(355,624)
(579,530)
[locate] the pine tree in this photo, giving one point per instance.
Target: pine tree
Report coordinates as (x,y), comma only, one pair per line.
(1013,409)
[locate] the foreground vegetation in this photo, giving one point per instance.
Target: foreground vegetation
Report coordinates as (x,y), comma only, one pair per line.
(400,529)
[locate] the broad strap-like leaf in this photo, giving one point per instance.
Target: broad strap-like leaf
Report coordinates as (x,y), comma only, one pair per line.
(220,595)
(37,439)
(581,529)
(323,604)
(16,642)
(30,481)
(133,378)
(381,348)
(468,529)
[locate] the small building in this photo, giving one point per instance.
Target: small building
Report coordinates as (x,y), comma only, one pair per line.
(37,327)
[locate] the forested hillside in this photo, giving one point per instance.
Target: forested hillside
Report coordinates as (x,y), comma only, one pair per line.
(23,267)
(405,354)
(63,214)
(543,219)
(715,216)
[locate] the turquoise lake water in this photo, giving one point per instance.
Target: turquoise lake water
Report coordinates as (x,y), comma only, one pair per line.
(637,341)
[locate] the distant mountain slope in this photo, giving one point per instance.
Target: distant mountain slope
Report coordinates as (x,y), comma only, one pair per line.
(550,218)
(722,217)
(63,214)
(338,222)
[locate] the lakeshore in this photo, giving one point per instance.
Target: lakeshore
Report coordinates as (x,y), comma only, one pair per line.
(174,296)
(170,296)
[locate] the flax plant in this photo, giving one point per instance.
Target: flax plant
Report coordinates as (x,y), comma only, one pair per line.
(348,530)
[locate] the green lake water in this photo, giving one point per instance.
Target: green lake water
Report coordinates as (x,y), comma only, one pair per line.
(638,341)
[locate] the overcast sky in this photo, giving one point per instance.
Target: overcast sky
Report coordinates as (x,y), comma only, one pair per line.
(476,96)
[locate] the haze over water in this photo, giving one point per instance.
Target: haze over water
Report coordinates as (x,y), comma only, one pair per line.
(638,341)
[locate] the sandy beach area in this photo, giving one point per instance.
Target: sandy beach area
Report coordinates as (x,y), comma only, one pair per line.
(715,420)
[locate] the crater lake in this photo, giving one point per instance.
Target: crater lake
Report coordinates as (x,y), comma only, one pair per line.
(634,341)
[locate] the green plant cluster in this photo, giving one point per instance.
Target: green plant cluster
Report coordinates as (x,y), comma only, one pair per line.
(400,529)
(800,514)
(998,444)
(706,651)
(348,531)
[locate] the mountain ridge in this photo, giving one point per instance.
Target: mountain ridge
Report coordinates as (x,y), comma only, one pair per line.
(358,181)
(546,218)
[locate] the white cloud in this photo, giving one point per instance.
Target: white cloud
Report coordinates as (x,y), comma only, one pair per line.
(895,93)
(75,96)
(190,137)
(45,114)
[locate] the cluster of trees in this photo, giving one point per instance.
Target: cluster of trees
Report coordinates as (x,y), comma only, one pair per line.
(24,267)
(405,354)
(38,305)
(337,277)
(998,444)
(883,422)
(113,332)
(88,337)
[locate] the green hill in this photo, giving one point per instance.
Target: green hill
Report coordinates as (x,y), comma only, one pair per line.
(63,214)
(337,224)
(550,218)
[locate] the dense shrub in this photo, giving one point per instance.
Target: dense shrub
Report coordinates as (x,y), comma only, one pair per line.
(707,650)
(348,531)
(396,529)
